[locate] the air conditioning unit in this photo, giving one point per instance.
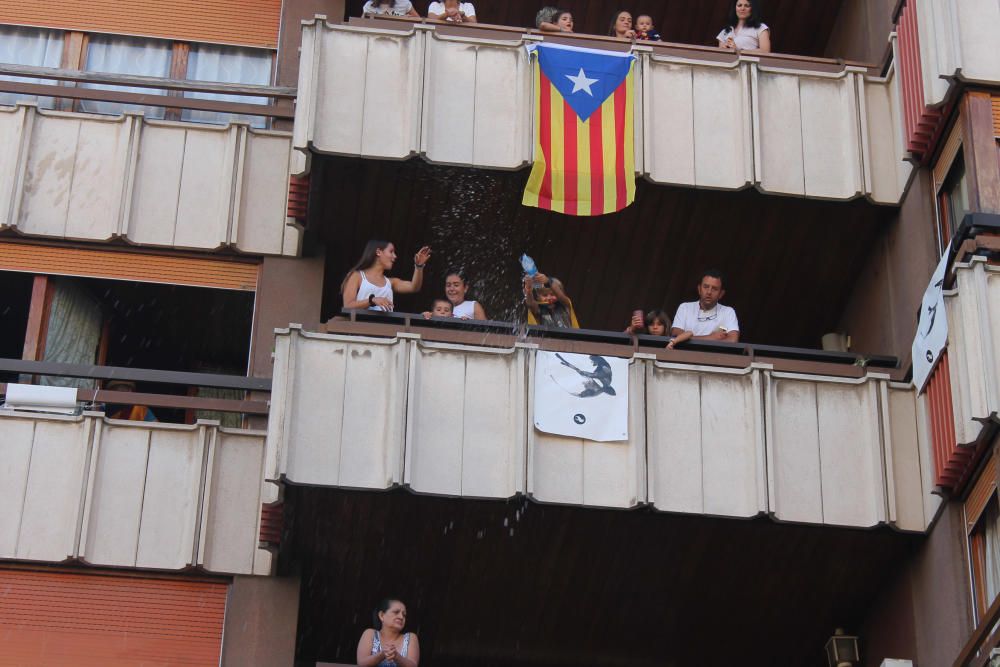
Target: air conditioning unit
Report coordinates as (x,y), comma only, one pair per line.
(36,398)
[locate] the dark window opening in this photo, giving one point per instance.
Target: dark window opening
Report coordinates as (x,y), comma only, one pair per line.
(15,302)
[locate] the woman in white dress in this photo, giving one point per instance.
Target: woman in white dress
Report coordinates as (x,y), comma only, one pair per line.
(745,30)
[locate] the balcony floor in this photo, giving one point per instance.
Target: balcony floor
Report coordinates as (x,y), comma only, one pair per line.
(516,583)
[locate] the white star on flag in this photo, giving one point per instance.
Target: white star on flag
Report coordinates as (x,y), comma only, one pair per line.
(581,82)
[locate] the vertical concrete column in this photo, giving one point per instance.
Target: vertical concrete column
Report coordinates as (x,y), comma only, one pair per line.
(261,621)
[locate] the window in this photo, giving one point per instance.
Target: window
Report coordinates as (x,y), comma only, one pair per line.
(982,516)
(29,46)
(227,65)
(127,55)
(953,201)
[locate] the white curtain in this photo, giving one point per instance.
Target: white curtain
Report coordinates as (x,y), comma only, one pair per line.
(228,64)
(30,46)
(127,55)
(74,332)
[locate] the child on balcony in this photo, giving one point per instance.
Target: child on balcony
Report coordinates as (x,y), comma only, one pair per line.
(645,30)
(440,308)
(552,19)
(389,8)
(548,304)
(453,11)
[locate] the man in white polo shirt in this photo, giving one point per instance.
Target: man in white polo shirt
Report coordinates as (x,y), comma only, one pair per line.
(706,318)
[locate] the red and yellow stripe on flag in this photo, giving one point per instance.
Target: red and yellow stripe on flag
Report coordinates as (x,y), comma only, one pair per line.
(582,167)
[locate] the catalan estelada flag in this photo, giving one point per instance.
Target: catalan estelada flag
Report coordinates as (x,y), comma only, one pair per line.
(584,134)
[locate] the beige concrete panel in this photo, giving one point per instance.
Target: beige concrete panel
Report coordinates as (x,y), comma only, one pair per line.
(831,152)
(850,454)
(932,501)
(978,27)
(230,527)
(793,446)
(339,101)
(966,400)
(477,107)
(114,506)
(204,198)
(48,179)
(673,413)
(721,127)
(668,103)
(170,506)
(15,457)
(597,474)
(52,499)
(903,444)
(449,112)
(393,76)
(100,172)
(778,112)
(889,173)
(503,136)
(15,134)
(466,428)
(264,199)
(974,341)
(939,46)
(344,414)
(731,445)
(156,188)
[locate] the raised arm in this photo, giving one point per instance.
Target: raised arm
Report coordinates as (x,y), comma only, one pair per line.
(557,289)
(417,281)
(529,295)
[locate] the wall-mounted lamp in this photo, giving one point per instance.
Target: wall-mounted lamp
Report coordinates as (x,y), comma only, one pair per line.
(842,650)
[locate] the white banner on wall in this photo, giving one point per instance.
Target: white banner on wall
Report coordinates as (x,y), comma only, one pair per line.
(932,327)
(582,396)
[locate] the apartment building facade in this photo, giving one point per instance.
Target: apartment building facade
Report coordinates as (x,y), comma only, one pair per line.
(207,461)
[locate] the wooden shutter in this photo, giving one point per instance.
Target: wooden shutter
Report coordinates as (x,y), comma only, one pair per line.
(240,22)
(996,116)
(981,493)
(138,267)
(59,618)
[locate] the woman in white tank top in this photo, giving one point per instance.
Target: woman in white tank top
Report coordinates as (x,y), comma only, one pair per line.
(367,285)
(455,287)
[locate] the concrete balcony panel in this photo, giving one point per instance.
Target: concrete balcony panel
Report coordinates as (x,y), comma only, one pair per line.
(337,410)
(130,494)
(456,420)
(973,309)
(153,183)
(957,42)
(698,122)
(790,126)
(466,420)
(825,450)
(572,471)
(706,440)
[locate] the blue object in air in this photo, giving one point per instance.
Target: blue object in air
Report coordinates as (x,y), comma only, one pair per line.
(528,265)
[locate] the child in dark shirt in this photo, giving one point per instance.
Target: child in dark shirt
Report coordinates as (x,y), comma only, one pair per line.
(644,29)
(548,303)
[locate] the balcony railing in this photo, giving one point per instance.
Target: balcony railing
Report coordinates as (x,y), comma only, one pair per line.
(91,177)
(704,117)
(444,412)
(132,494)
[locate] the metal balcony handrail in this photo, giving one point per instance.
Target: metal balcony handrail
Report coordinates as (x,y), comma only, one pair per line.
(282,96)
(501,333)
(139,81)
(94,372)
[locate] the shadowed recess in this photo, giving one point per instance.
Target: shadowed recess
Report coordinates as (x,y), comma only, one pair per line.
(516,583)
(790,263)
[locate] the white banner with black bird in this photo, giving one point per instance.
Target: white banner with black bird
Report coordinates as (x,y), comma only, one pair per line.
(582,396)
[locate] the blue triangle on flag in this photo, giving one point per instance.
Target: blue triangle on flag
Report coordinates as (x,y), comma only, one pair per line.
(585,78)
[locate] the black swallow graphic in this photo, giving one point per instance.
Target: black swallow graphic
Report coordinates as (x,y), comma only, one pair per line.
(598,381)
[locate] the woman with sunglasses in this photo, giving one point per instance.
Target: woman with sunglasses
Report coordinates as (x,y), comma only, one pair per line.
(706,318)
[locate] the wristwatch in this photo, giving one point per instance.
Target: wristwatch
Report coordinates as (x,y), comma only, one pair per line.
(371,300)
